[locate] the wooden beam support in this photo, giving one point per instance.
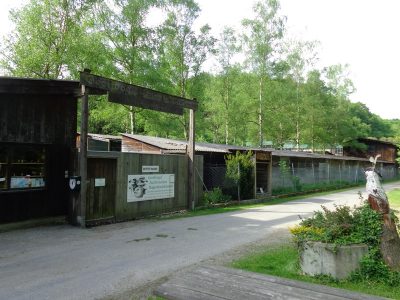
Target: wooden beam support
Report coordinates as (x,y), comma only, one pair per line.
(191,157)
(144,103)
(131,94)
(83,156)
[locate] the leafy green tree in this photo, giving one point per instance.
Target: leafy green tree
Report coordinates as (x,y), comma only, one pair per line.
(261,38)
(317,130)
(51,40)
(240,169)
(131,47)
(182,52)
(228,47)
(377,128)
(301,56)
(283,111)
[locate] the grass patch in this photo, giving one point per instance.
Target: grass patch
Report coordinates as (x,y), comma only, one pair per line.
(282,261)
(394,199)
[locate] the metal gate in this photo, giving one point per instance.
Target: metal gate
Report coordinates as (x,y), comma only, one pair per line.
(100,203)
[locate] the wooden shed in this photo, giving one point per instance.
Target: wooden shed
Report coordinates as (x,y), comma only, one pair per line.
(386,150)
(37,144)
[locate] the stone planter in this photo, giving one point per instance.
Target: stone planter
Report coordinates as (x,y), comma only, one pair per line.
(337,261)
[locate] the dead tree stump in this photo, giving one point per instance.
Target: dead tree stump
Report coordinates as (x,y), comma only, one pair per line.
(378,201)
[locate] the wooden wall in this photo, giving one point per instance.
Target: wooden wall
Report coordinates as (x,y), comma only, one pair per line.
(131,164)
(387,151)
(132,145)
(39,120)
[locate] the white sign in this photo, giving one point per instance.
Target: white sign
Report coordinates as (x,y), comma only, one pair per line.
(99,182)
(150,169)
(151,186)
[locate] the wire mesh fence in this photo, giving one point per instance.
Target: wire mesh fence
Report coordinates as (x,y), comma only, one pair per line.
(297,175)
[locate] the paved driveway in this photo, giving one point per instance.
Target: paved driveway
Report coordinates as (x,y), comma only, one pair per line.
(64,262)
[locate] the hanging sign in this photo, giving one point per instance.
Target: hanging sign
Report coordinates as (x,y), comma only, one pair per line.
(150,186)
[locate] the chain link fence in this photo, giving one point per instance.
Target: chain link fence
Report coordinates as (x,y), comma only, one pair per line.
(296,175)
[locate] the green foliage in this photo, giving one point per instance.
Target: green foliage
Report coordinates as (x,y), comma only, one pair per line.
(62,40)
(394,199)
(285,173)
(345,226)
(282,261)
(215,196)
(240,169)
(263,98)
(341,226)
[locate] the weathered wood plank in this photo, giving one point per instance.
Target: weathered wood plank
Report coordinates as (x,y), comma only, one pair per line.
(212,282)
(218,284)
(83,156)
(173,291)
(122,88)
(229,272)
(191,165)
(145,102)
(29,86)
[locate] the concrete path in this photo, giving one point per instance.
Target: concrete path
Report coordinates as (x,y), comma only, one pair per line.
(64,262)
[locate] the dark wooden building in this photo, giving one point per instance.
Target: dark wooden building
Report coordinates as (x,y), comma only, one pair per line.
(37,146)
(373,147)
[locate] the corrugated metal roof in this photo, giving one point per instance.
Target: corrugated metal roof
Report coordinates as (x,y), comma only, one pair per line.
(104,137)
(179,146)
(171,145)
(288,153)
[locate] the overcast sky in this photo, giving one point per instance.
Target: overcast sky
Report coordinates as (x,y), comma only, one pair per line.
(361,33)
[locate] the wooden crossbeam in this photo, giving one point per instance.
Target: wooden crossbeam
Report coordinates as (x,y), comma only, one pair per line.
(144,103)
(123,93)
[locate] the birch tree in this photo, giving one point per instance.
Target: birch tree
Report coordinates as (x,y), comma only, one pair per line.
(262,37)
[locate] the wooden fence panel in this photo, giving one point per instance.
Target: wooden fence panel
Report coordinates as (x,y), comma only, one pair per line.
(100,204)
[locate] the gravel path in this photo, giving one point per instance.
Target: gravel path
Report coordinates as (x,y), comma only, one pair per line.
(125,260)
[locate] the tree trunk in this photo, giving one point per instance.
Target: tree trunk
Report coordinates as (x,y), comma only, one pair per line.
(260,116)
(390,241)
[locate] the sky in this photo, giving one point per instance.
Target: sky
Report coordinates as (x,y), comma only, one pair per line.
(361,33)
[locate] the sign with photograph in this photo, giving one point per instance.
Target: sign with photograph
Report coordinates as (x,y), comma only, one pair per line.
(150,186)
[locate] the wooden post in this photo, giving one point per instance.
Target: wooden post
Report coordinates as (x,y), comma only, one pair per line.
(270,174)
(83,157)
(191,155)
(255,174)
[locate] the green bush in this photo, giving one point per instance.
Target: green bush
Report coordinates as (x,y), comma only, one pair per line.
(345,226)
(240,169)
(342,226)
(215,196)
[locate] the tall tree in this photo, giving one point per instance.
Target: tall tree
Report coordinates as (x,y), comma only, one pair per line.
(263,34)
(182,51)
(51,39)
(131,45)
(228,47)
(301,57)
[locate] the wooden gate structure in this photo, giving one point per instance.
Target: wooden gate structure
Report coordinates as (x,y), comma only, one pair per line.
(133,95)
